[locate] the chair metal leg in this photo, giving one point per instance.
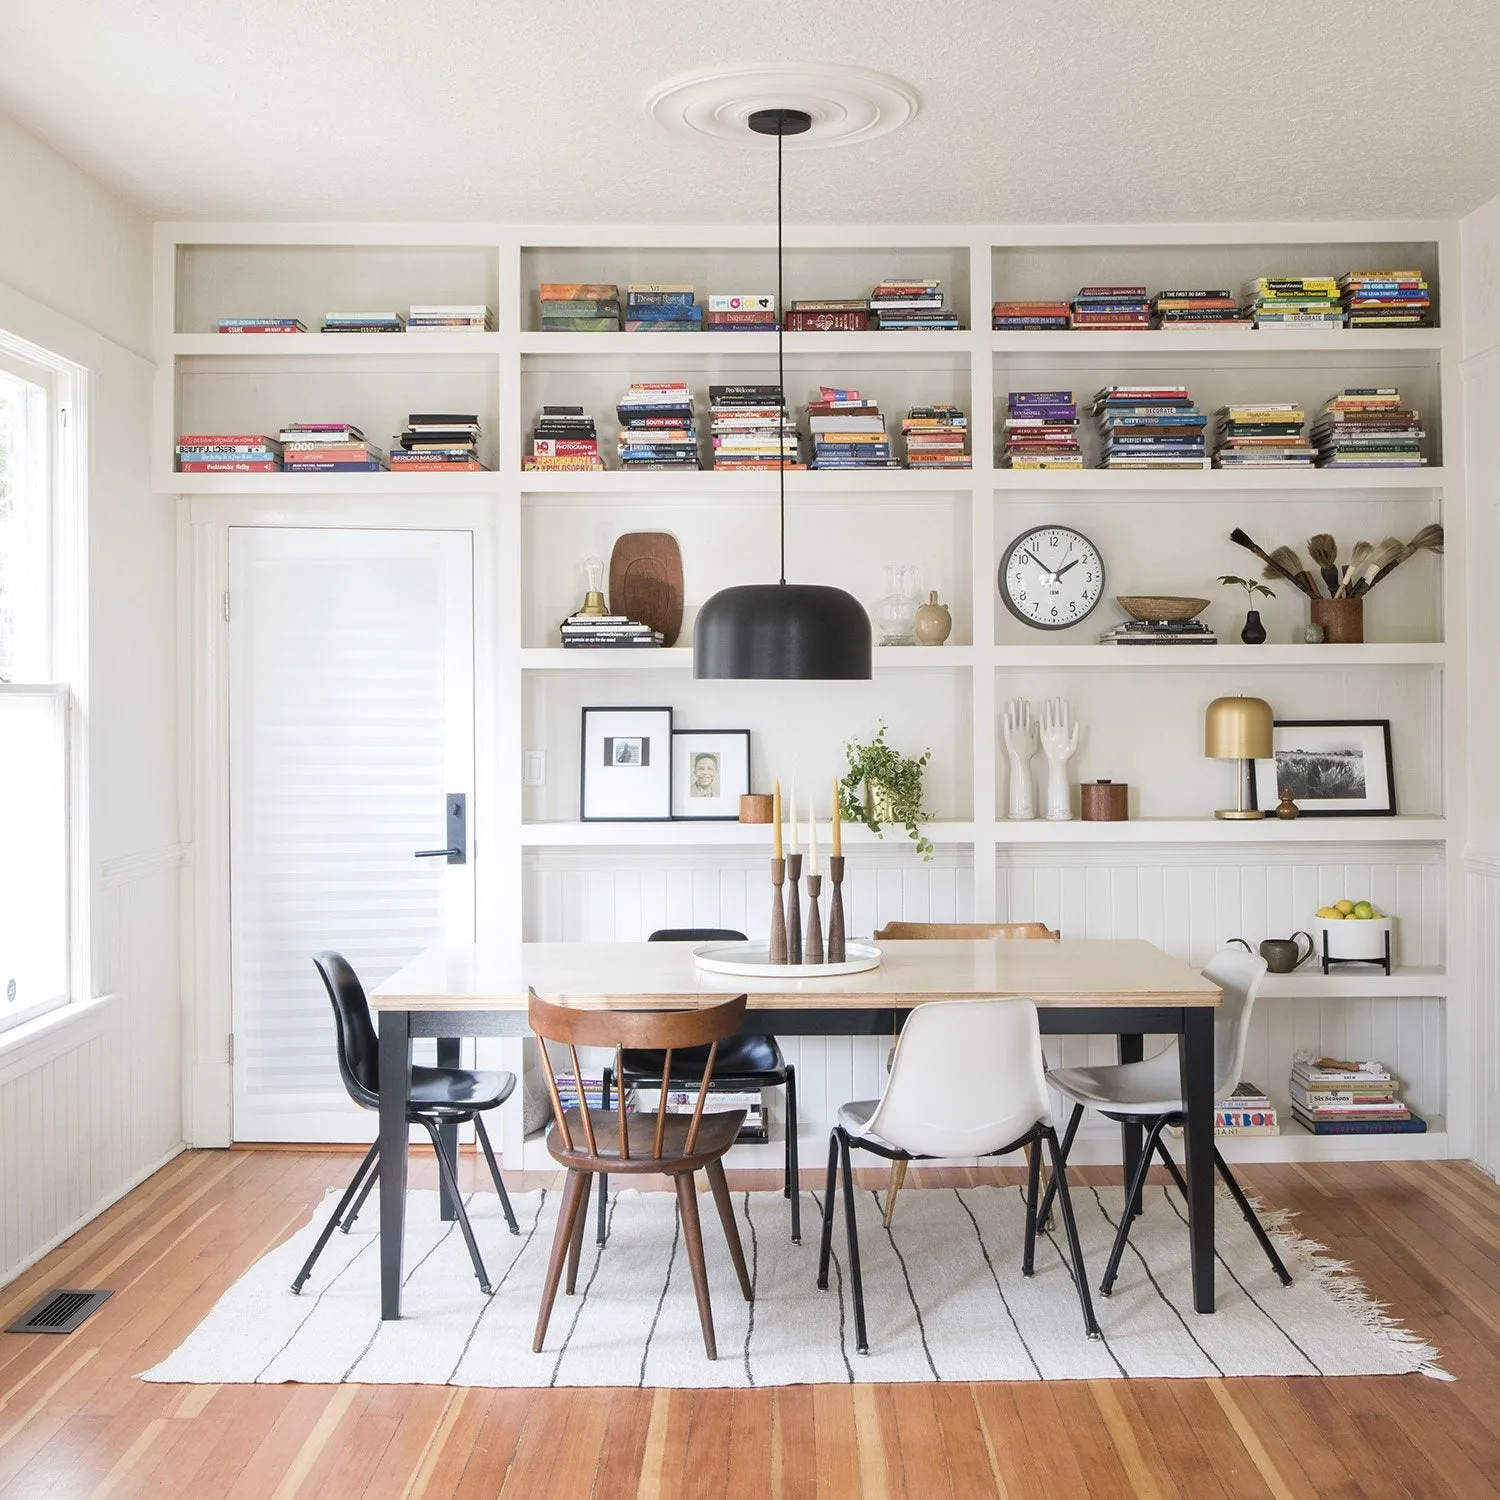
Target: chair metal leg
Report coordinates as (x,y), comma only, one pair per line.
(445,1168)
(1044,1214)
(489,1156)
(1033,1183)
(719,1185)
(1252,1219)
(1075,1250)
(372,1177)
(1133,1194)
(830,1185)
(861,1338)
(692,1241)
(1173,1170)
(606,1078)
(793,1185)
(367,1165)
(575,1198)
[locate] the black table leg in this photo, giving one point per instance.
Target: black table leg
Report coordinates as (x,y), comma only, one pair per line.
(449,1055)
(1197,1063)
(1132,1049)
(395,1083)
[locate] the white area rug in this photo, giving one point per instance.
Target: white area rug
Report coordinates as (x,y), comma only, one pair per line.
(944,1295)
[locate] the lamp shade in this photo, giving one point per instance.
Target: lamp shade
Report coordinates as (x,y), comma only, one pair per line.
(787,631)
(1237,729)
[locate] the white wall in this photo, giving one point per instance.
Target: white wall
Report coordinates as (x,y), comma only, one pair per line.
(1481,368)
(90,1100)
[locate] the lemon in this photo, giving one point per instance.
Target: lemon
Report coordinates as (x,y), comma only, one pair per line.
(1345,906)
(1330,914)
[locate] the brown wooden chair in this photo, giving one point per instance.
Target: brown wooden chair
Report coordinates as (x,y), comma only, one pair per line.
(908,932)
(587,1142)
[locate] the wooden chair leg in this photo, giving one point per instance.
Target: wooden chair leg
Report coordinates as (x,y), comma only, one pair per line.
(893,1186)
(575,1245)
(720,1187)
(692,1239)
(574,1196)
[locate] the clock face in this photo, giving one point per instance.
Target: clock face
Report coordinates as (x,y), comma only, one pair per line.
(1051,577)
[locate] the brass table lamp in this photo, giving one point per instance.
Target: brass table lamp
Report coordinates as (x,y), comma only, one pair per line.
(1238,729)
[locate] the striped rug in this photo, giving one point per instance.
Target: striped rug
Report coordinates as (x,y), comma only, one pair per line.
(944,1295)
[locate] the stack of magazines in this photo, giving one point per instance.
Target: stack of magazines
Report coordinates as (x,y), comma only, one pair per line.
(1160,633)
(595,631)
(719,1101)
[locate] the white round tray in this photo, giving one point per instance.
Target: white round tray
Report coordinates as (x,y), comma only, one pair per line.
(754,961)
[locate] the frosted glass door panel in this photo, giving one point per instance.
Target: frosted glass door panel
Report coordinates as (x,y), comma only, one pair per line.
(351,719)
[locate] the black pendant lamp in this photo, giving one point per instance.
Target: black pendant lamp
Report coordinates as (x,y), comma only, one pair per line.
(806,632)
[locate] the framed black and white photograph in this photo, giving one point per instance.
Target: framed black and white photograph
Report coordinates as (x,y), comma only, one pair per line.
(710,772)
(1334,768)
(625,768)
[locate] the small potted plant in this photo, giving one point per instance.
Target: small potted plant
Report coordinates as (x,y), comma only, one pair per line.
(883,786)
(1254,633)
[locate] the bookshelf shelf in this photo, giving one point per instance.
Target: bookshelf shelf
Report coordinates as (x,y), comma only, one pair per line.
(717,345)
(680,659)
(356,345)
(1310,983)
(678,833)
(1103,483)
(1130,344)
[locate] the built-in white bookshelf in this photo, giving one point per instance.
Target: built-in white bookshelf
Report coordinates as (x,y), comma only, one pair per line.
(1158,532)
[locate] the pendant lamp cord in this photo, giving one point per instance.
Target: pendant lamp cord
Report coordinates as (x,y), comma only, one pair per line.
(780,366)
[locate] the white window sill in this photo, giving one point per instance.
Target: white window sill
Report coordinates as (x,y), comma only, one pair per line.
(32,1043)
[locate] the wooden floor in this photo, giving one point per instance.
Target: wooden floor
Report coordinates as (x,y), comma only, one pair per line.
(74,1421)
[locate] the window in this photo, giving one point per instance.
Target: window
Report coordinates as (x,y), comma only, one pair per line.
(38,667)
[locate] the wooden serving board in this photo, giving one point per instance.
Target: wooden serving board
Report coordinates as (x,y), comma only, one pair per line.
(645,581)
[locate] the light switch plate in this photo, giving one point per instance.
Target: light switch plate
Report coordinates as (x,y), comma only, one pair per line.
(534,772)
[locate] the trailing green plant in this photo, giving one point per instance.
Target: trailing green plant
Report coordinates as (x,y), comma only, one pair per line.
(1250,586)
(884,769)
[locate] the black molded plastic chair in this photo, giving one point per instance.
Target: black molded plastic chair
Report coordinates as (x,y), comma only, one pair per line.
(742,1062)
(438,1097)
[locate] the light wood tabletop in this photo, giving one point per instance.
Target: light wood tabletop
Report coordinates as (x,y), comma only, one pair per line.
(1094,972)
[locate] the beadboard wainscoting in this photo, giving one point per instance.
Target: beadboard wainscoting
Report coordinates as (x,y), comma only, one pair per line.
(93,1105)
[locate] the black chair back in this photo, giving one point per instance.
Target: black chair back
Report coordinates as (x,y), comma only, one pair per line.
(696,935)
(359,1057)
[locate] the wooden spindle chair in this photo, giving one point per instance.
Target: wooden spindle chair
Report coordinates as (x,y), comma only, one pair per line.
(587,1141)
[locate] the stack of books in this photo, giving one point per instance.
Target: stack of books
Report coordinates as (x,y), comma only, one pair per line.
(449,315)
(1159,633)
(1030,317)
(328,448)
(435,441)
(741,312)
(1367,427)
(848,432)
(718,1101)
(579,307)
(363,323)
(662,307)
(1247,1111)
(1294,302)
(656,426)
(593,1092)
(227,453)
(607,632)
(1150,427)
(910,302)
(564,438)
(1385,299)
(829,315)
(1041,431)
(1198,309)
(1263,435)
(1334,1097)
(1111,307)
(935,438)
(262,325)
(748,429)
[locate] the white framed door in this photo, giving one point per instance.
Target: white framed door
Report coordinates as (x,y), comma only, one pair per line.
(351,731)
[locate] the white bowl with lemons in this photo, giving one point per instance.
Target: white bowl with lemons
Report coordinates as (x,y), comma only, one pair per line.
(1351,929)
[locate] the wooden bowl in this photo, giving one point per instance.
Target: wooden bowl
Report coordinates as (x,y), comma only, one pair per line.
(1160,606)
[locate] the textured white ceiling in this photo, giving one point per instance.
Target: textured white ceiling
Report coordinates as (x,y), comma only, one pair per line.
(1048,110)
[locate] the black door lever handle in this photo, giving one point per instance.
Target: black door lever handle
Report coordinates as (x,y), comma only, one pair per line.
(435,853)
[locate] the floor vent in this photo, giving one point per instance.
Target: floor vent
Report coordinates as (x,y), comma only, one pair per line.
(60,1311)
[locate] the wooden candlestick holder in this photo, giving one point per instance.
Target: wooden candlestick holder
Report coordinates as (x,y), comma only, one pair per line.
(836,952)
(778,916)
(793,909)
(812,945)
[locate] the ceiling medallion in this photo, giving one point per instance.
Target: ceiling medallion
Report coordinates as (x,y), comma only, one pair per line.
(846,105)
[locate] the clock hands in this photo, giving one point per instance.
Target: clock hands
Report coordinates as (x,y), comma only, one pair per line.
(1043,566)
(1066,566)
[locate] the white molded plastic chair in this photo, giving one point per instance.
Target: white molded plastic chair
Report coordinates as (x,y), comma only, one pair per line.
(1149,1093)
(967,1080)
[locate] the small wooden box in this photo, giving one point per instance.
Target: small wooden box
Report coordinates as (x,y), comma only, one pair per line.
(1105,801)
(755,807)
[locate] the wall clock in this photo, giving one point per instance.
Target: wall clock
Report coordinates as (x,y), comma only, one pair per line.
(1051,577)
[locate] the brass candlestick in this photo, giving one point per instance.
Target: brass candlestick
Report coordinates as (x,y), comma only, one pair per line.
(812,947)
(793,909)
(836,909)
(778,916)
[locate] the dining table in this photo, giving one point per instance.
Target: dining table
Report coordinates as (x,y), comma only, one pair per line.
(1124,987)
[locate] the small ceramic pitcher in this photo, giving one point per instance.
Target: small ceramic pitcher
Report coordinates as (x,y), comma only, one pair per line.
(1282,955)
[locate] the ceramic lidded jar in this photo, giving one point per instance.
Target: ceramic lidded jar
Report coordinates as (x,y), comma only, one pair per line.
(934,623)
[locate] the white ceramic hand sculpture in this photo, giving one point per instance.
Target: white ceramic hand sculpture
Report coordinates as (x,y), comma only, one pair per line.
(1020,746)
(1059,744)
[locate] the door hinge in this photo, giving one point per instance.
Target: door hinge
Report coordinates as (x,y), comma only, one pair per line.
(229,1047)
(226,604)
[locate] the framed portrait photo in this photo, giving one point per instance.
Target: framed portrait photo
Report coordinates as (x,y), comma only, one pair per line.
(710,772)
(625,767)
(1334,768)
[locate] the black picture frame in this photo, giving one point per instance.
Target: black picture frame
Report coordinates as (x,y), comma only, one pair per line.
(638,743)
(732,742)
(1374,742)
